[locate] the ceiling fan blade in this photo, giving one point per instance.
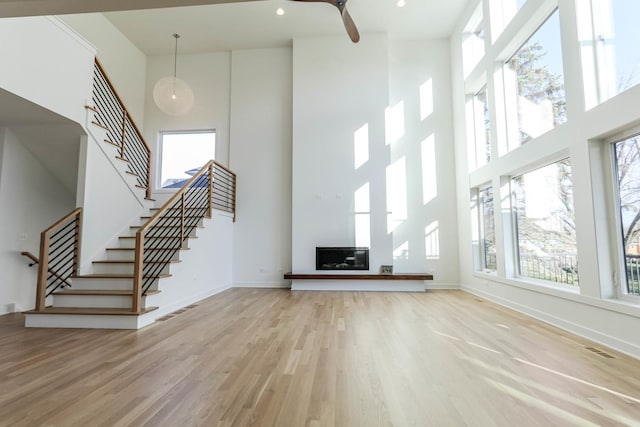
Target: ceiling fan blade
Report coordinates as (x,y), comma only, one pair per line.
(350,26)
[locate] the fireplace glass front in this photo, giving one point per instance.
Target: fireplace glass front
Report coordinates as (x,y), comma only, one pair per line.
(342,258)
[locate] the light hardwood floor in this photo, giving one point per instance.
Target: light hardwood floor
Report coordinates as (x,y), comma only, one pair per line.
(281,358)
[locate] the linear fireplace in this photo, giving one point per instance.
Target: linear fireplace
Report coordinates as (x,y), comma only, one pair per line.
(342,258)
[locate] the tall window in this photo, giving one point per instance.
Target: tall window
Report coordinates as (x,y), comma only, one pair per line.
(627,161)
(534,85)
(182,154)
(482,127)
(544,224)
(502,12)
(473,41)
(609,34)
(487,230)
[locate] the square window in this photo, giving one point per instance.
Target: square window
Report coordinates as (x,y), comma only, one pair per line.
(544,224)
(534,85)
(627,168)
(182,154)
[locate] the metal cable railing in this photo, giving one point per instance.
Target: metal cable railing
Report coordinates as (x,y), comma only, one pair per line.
(59,249)
(166,232)
(111,113)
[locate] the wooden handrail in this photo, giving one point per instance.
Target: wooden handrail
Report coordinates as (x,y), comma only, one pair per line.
(127,119)
(115,92)
(197,193)
(31,256)
(35,261)
(174,198)
(43,266)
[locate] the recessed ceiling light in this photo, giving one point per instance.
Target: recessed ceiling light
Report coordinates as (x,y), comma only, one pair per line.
(280,11)
(401,3)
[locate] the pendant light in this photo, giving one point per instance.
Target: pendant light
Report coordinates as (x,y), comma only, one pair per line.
(172,95)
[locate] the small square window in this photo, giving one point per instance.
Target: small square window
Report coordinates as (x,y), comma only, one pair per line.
(182,154)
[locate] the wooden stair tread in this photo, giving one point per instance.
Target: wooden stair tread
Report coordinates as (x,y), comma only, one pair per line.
(110,261)
(102,292)
(116,276)
(166,226)
(98,292)
(174,216)
(177,209)
(94,311)
(115,144)
(148,249)
(157,237)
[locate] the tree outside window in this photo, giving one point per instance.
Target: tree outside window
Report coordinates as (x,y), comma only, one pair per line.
(545,224)
(534,85)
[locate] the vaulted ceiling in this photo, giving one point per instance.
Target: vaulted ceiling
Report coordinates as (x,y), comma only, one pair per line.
(214,25)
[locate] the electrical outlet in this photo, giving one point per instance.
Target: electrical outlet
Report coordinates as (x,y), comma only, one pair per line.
(23,236)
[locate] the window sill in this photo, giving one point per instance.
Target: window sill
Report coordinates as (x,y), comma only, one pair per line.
(624,305)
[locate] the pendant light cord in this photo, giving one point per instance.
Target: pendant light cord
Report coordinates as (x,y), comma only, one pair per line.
(175,56)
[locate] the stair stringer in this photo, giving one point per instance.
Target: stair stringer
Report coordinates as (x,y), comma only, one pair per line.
(205,270)
(110,200)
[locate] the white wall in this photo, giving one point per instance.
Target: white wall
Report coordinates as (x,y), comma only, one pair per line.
(123,62)
(209,77)
(58,69)
(591,311)
(420,83)
(109,203)
(338,88)
(260,154)
(205,270)
(397,95)
(31,199)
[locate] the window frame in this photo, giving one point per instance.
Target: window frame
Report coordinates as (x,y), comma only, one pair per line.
(618,252)
(482,230)
(515,260)
(511,106)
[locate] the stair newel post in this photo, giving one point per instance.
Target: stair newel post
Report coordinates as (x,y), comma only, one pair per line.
(138,265)
(210,193)
(124,133)
(182,209)
(43,269)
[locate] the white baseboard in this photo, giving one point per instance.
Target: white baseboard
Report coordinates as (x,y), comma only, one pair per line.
(617,344)
(442,285)
(268,285)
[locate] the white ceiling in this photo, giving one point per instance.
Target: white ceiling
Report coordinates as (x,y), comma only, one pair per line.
(254,24)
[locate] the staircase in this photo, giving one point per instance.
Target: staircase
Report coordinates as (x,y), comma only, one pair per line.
(104,298)
(123,289)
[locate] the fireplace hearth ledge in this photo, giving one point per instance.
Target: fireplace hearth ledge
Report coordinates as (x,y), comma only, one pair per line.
(359,282)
